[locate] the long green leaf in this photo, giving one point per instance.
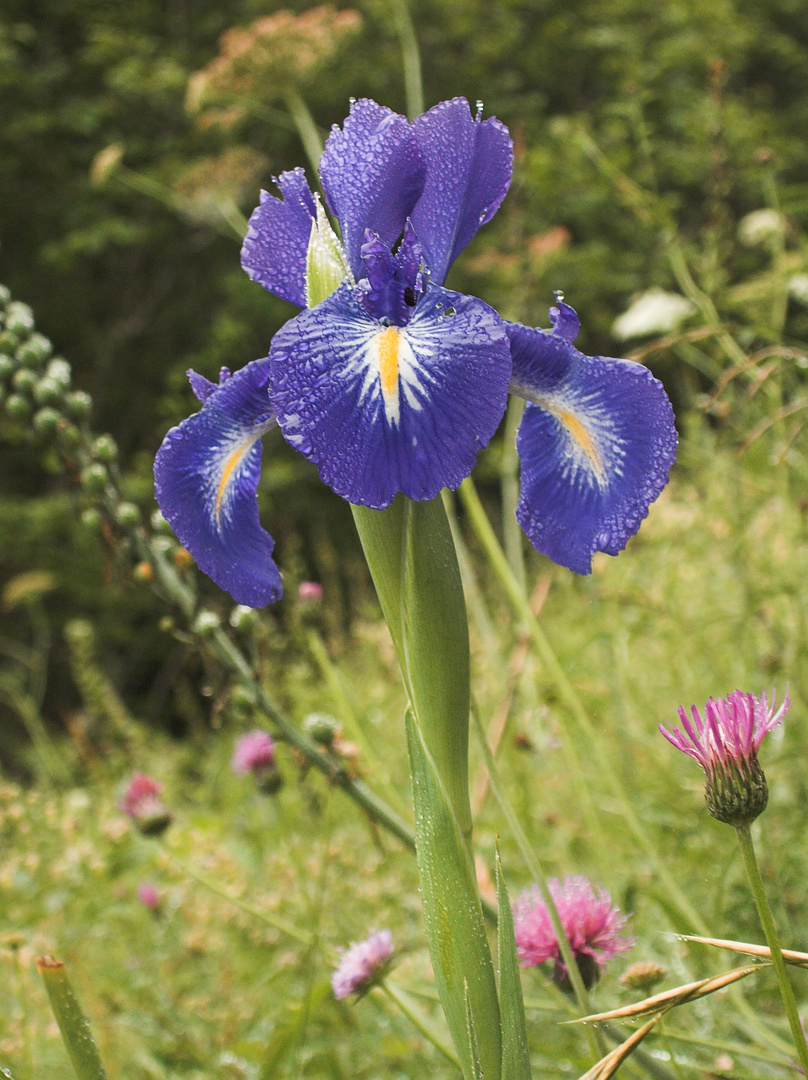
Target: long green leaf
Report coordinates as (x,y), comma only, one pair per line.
(412,560)
(454,921)
(73,1024)
(515,1053)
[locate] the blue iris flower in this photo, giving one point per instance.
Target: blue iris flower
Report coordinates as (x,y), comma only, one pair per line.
(394,383)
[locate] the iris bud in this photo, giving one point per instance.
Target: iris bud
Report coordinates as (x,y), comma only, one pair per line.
(206,623)
(91,519)
(94,477)
(24,380)
(127,515)
(104,449)
(46,421)
(35,351)
(19,318)
(79,404)
(59,371)
(18,407)
(48,391)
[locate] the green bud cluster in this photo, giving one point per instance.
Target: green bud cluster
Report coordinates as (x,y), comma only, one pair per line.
(34,385)
(36,395)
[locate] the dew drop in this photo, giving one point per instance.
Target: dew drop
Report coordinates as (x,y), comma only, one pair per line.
(479,108)
(559,295)
(352,101)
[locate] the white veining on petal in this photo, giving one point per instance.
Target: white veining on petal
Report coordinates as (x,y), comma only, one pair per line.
(594,452)
(224,467)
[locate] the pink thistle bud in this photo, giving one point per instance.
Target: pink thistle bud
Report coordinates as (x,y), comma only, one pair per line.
(725,744)
(141,802)
(363,965)
(148,895)
(309,592)
(254,753)
(590,922)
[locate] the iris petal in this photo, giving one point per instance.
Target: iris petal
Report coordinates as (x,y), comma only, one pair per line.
(274,249)
(469,166)
(596,444)
(206,477)
(380,408)
(373,172)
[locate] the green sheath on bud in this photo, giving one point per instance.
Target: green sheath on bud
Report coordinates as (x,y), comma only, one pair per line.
(326,266)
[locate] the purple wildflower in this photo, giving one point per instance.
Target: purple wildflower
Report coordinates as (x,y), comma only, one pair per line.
(254,753)
(309,592)
(141,802)
(148,895)
(362,965)
(590,922)
(725,744)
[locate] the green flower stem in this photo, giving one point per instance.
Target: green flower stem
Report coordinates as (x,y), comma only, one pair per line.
(73,1024)
(213,886)
(519,603)
(411,57)
(306,128)
(405,1003)
(772,940)
(414,567)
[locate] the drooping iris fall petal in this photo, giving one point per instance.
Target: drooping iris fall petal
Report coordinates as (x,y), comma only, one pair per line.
(206,478)
(596,445)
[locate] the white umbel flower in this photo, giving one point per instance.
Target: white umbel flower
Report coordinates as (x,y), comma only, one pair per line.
(654,312)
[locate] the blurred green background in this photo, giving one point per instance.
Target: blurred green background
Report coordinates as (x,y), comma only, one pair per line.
(658,147)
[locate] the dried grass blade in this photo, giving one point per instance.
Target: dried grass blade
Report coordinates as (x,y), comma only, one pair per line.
(608,1066)
(669,999)
(747,948)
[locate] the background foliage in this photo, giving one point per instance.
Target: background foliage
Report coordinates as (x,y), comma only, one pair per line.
(645,136)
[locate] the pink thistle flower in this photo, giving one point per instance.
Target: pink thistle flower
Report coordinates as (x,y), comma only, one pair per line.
(148,895)
(254,753)
(141,802)
(309,592)
(725,744)
(362,965)
(590,922)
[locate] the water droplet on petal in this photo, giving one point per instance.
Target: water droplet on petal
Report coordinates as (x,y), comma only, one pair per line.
(352,101)
(479,108)
(559,295)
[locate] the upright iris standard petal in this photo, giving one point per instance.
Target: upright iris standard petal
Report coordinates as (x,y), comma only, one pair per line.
(381,408)
(469,166)
(596,445)
(206,477)
(373,173)
(274,249)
